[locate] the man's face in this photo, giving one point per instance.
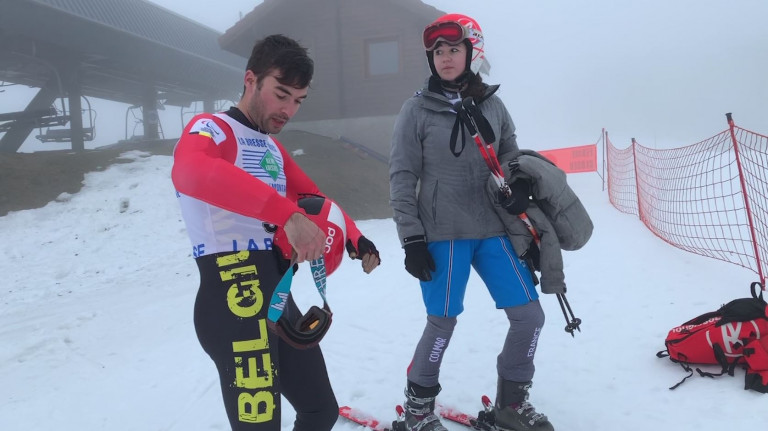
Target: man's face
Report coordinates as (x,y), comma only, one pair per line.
(270,104)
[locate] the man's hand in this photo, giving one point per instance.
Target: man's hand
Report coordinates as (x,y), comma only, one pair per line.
(365,251)
(307,240)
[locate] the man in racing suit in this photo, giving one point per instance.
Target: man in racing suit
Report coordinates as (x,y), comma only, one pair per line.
(237,186)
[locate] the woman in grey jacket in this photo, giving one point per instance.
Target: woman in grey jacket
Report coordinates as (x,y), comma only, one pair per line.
(447,224)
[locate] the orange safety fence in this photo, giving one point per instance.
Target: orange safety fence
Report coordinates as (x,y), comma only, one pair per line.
(573,160)
(708,198)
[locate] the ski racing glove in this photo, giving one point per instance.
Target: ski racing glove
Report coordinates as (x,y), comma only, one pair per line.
(365,251)
(517,202)
(364,246)
(418,260)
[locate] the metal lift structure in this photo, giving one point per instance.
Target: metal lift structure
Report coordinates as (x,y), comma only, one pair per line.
(128,51)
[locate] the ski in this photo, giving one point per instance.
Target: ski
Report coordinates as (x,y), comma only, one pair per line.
(363,419)
(458,417)
(483,421)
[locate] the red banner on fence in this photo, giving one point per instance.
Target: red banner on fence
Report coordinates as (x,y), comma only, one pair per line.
(574,159)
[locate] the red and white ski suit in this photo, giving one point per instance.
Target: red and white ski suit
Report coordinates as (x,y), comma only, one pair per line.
(235,184)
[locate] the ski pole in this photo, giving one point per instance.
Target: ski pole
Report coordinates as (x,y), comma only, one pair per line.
(572,323)
(463,109)
(483,144)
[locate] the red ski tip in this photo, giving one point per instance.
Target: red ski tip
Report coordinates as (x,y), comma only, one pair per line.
(361,418)
(486,401)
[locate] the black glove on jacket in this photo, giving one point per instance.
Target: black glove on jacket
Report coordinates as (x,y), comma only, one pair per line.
(418,260)
(517,202)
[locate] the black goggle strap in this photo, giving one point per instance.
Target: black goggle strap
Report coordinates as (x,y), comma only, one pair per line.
(309,329)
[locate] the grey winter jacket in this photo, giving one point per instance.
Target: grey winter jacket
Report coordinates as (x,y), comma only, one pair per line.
(557,214)
(434,192)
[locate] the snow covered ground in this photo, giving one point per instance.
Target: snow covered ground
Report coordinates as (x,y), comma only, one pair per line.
(96,324)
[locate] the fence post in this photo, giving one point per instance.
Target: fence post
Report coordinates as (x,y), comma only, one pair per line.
(743,183)
(637,181)
(603,137)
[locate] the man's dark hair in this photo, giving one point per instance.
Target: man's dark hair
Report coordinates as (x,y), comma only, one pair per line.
(281,53)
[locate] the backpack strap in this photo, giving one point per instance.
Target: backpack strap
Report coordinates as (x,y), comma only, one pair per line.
(753,287)
(756,354)
(722,360)
(687,368)
(756,381)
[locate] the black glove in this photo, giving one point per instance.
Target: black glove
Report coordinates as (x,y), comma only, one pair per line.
(364,246)
(517,202)
(366,252)
(533,256)
(418,260)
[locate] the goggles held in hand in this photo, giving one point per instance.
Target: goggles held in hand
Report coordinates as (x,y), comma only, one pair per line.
(311,326)
(446,31)
(308,330)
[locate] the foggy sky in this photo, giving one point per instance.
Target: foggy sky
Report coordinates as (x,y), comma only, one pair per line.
(662,71)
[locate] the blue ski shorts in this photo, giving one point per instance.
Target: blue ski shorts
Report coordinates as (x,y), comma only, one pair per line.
(506,276)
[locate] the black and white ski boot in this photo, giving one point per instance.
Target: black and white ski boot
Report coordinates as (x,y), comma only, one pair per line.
(513,412)
(419,409)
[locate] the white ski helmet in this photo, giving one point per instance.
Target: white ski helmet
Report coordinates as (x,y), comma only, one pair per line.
(329,217)
(454,28)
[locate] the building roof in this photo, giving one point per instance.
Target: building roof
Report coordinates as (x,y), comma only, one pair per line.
(232,41)
(149,21)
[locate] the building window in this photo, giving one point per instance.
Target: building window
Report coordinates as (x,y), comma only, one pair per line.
(382,57)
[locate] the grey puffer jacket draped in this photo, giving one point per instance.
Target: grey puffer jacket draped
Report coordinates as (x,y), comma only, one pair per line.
(557,214)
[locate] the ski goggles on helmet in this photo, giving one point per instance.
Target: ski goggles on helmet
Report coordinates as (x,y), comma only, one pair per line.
(446,31)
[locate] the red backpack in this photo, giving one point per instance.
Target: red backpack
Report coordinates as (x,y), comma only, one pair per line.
(734,335)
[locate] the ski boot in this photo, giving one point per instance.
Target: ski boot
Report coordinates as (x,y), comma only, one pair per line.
(513,412)
(419,409)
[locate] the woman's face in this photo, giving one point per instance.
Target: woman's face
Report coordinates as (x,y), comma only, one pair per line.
(450,60)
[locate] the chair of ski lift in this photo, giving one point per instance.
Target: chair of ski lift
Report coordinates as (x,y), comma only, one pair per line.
(65,134)
(38,118)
